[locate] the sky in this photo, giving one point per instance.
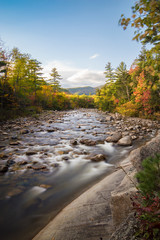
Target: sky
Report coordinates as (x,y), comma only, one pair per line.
(78,37)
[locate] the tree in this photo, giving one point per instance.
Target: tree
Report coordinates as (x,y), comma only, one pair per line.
(109,74)
(146,21)
(34,76)
(54,81)
(123,81)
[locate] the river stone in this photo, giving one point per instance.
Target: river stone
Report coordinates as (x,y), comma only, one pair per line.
(31,152)
(98,158)
(14,143)
(24,162)
(51,130)
(109,118)
(3,156)
(88,142)
(38,166)
(74,142)
(3,168)
(125,141)
(24,131)
(114,138)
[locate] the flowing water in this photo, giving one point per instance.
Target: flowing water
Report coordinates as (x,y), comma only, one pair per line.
(48,171)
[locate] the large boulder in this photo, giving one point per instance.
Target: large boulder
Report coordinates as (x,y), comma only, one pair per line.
(125,141)
(115,137)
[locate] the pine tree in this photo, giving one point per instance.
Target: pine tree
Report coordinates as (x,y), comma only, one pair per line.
(109,74)
(54,81)
(149,177)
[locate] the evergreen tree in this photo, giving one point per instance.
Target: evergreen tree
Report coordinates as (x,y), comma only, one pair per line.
(54,81)
(109,73)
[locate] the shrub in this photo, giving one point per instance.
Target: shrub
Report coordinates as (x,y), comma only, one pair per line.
(147,202)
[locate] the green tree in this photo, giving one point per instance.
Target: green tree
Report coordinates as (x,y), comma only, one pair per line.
(109,73)
(35,76)
(146,21)
(54,81)
(122,84)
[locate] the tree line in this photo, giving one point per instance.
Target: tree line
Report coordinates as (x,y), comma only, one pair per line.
(136,92)
(133,92)
(24,90)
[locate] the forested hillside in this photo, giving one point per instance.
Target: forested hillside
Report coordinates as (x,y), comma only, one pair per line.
(82,90)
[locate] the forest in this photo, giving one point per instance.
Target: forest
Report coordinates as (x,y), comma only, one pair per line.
(131,92)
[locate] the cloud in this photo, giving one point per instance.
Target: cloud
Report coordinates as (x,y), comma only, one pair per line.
(94,56)
(74,77)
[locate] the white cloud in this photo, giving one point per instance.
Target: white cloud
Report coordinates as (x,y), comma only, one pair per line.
(94,56)
(74,77)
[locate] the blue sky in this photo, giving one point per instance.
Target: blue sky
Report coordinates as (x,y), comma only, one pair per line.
(78,37)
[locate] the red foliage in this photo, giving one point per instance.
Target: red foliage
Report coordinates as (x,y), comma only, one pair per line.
(143,94)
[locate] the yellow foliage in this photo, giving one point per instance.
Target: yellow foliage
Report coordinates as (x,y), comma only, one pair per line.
(128,109)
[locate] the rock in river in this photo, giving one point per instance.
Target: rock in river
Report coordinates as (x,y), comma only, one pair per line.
(24,131)
(38,166)
(114,138)
(125,141)
(31,152)
(98,158)
(88,142)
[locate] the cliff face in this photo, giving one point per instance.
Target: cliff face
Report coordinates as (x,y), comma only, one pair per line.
(121,206)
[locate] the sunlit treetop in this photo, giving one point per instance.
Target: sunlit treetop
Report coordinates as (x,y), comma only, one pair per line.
(146,21)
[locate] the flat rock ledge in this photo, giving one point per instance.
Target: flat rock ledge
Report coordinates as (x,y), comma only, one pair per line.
(104,211)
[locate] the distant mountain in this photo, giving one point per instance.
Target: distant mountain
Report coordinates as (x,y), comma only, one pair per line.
(82,90)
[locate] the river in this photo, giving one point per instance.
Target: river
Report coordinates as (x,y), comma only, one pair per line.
(48,167)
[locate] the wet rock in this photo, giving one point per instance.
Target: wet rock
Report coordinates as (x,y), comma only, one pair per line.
(14,143)
(14,192)
(125,141)
(31,152)
(51,130)
(50,121)
(14,137)
(88,142)
(65,158)
(134,137)
(45,186)
(98,158)
(38,166)
(73,142)
(24,131)
(3,156)
(3,168)
(24,162)
(55,165)
(115,137)
(2,146)
(109,118)
(10,162)
(118,116)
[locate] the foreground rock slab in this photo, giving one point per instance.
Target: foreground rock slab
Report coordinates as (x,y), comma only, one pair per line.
(87,217)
